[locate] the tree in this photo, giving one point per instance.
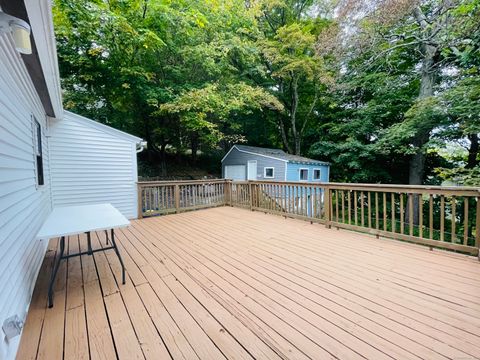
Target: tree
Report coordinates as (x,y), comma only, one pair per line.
(296,74)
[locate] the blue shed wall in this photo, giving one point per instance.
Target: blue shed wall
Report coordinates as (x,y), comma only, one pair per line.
(236,157)
(293,172)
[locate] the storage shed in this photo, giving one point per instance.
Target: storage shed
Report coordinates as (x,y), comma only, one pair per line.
(254,163)
(92,163)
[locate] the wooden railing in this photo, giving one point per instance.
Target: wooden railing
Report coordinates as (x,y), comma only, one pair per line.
(443,217)
(159,197)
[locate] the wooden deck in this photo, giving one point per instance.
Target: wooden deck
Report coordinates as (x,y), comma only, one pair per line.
(231,283)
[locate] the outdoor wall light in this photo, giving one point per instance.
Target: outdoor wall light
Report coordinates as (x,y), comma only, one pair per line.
(20,31)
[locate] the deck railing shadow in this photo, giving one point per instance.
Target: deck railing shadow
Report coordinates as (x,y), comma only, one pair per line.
(436,216)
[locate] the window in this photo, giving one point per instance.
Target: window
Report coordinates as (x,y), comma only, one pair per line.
(304,174)
(38,151)
(268,172)
(317,174)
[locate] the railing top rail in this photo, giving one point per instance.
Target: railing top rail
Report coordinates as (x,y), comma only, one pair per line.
(396,188)
(461,190)
(180,182)
(399,186)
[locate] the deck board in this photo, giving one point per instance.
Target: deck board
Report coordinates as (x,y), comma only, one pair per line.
(236,284)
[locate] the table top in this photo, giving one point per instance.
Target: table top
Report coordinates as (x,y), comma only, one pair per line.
(72,220)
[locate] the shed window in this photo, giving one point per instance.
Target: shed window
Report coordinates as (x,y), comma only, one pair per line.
(37,136)
(317,174)
(304,174)
(268,172)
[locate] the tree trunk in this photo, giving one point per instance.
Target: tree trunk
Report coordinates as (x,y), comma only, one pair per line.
(293,116)
(284,135)
(163,160)
(194,147)
(416,167)
(473,151)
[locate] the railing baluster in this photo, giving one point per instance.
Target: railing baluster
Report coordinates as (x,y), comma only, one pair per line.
(442,218)
(394,225)
(377,225)
(343,206)
(420,215)
(369,200)
(384,211)
(362,213)
(410,214)
(402,215)
(336,206)
(430,215)
(454,220)
(355,203)
(349,201)
(465,221)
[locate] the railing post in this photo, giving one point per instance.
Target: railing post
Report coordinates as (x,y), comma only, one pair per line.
(228,192)
(177,198)
(139,202)
(328,215)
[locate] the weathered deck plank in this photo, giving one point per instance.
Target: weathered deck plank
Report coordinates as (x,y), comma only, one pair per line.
(231,283)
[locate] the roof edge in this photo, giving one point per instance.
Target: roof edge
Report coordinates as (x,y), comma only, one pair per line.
(102,127)
(254,153)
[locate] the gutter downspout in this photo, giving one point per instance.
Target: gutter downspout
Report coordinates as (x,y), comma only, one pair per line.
(143,145)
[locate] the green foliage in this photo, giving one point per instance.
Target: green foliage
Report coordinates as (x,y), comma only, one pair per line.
(196,76)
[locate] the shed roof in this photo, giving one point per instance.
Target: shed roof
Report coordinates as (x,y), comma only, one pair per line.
(278,154)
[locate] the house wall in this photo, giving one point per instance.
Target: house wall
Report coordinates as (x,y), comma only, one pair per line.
(91,165)
(293,172)
(23,205)
(236,157)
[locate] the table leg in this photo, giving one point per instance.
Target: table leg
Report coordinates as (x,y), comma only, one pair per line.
(114,244)
(54,273)
(106,235)
(89,244)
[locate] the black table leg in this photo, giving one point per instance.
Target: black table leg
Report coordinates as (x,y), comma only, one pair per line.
(114,245)
(54,273)
(89,244)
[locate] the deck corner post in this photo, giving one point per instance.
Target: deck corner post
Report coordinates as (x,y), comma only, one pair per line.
(139,201)
(177,198)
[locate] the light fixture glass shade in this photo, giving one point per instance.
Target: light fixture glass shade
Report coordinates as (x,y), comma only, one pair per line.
(20,31)
(21,37)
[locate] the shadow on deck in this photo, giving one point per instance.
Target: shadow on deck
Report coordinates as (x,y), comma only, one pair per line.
(231,283)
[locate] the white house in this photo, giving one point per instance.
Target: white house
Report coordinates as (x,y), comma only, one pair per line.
(48,157)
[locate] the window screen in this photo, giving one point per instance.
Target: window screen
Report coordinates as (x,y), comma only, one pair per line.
(38,151)
(303,174)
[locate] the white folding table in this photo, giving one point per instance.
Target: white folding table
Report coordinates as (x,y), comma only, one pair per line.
(73,220)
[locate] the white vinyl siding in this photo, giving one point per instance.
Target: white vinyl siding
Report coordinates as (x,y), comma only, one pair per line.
(23,207)
(91,166)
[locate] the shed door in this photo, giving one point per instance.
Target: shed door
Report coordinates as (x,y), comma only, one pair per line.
(235,172)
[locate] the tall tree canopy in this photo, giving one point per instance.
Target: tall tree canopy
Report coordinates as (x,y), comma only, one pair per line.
(386,90)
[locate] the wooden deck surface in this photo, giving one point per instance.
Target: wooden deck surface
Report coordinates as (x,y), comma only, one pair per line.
(231,283)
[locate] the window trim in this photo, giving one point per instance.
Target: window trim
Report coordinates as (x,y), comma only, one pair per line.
(265,172)
(38,152)
(320,173)
(300,174)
